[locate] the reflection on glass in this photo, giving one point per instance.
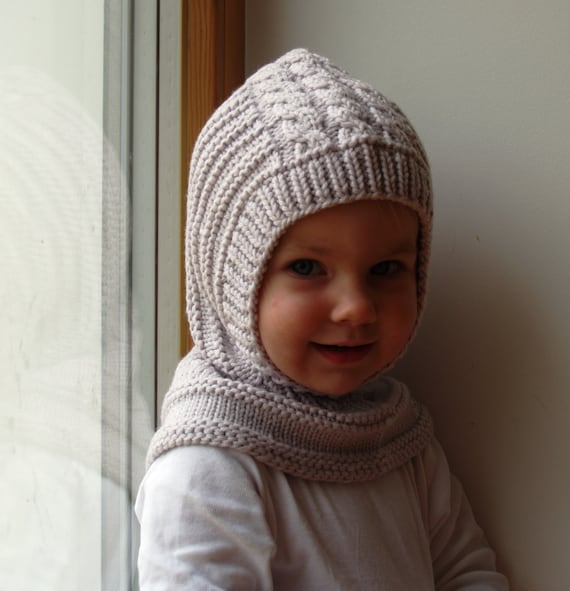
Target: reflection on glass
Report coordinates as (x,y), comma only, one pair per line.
(66,441)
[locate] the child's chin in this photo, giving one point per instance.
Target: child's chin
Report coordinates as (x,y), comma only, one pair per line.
(336,391)
(343,389)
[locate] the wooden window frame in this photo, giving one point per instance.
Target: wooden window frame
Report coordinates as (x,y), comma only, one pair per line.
(212,65)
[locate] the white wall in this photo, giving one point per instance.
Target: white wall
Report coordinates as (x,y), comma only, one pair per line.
(487,85)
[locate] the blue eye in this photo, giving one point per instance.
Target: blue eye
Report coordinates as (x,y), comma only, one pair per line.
(386,268)
(306,267)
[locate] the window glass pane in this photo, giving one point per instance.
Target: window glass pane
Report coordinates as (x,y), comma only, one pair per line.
(76,331)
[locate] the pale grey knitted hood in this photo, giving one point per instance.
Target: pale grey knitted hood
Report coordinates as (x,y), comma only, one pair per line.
(300,135)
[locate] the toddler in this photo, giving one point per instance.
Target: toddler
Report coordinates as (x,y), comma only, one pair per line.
(287,459)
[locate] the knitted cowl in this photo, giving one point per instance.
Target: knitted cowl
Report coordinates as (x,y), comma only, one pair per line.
(300,135)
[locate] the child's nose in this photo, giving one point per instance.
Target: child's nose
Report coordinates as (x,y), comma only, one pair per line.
(353,304)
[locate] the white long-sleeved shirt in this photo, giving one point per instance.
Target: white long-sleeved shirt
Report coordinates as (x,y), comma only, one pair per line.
(213,518)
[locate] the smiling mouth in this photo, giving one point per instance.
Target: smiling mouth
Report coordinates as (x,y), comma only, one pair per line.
(343,354)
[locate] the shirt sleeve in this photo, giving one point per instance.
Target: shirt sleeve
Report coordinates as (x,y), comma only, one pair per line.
(461,557)
(202,523)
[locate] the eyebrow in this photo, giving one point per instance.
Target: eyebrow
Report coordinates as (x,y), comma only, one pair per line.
(323,250)
(403,247)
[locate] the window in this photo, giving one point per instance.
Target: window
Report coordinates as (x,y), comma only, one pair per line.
(78,190)
(93,160)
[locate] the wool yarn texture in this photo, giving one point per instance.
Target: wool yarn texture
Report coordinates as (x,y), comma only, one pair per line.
(298,136)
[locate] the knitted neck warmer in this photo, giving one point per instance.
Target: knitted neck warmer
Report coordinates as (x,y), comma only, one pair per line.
(299,136)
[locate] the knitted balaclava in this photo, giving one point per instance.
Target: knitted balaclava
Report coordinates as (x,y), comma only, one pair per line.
(299,136)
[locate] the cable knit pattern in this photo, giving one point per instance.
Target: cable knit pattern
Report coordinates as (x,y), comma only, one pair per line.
(300,135)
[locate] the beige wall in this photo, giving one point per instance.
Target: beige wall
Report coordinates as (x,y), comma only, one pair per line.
(487,85)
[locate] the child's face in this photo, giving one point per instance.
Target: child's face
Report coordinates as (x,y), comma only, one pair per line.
(338,301)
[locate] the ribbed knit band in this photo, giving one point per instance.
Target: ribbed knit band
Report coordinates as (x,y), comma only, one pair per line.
(299,136)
